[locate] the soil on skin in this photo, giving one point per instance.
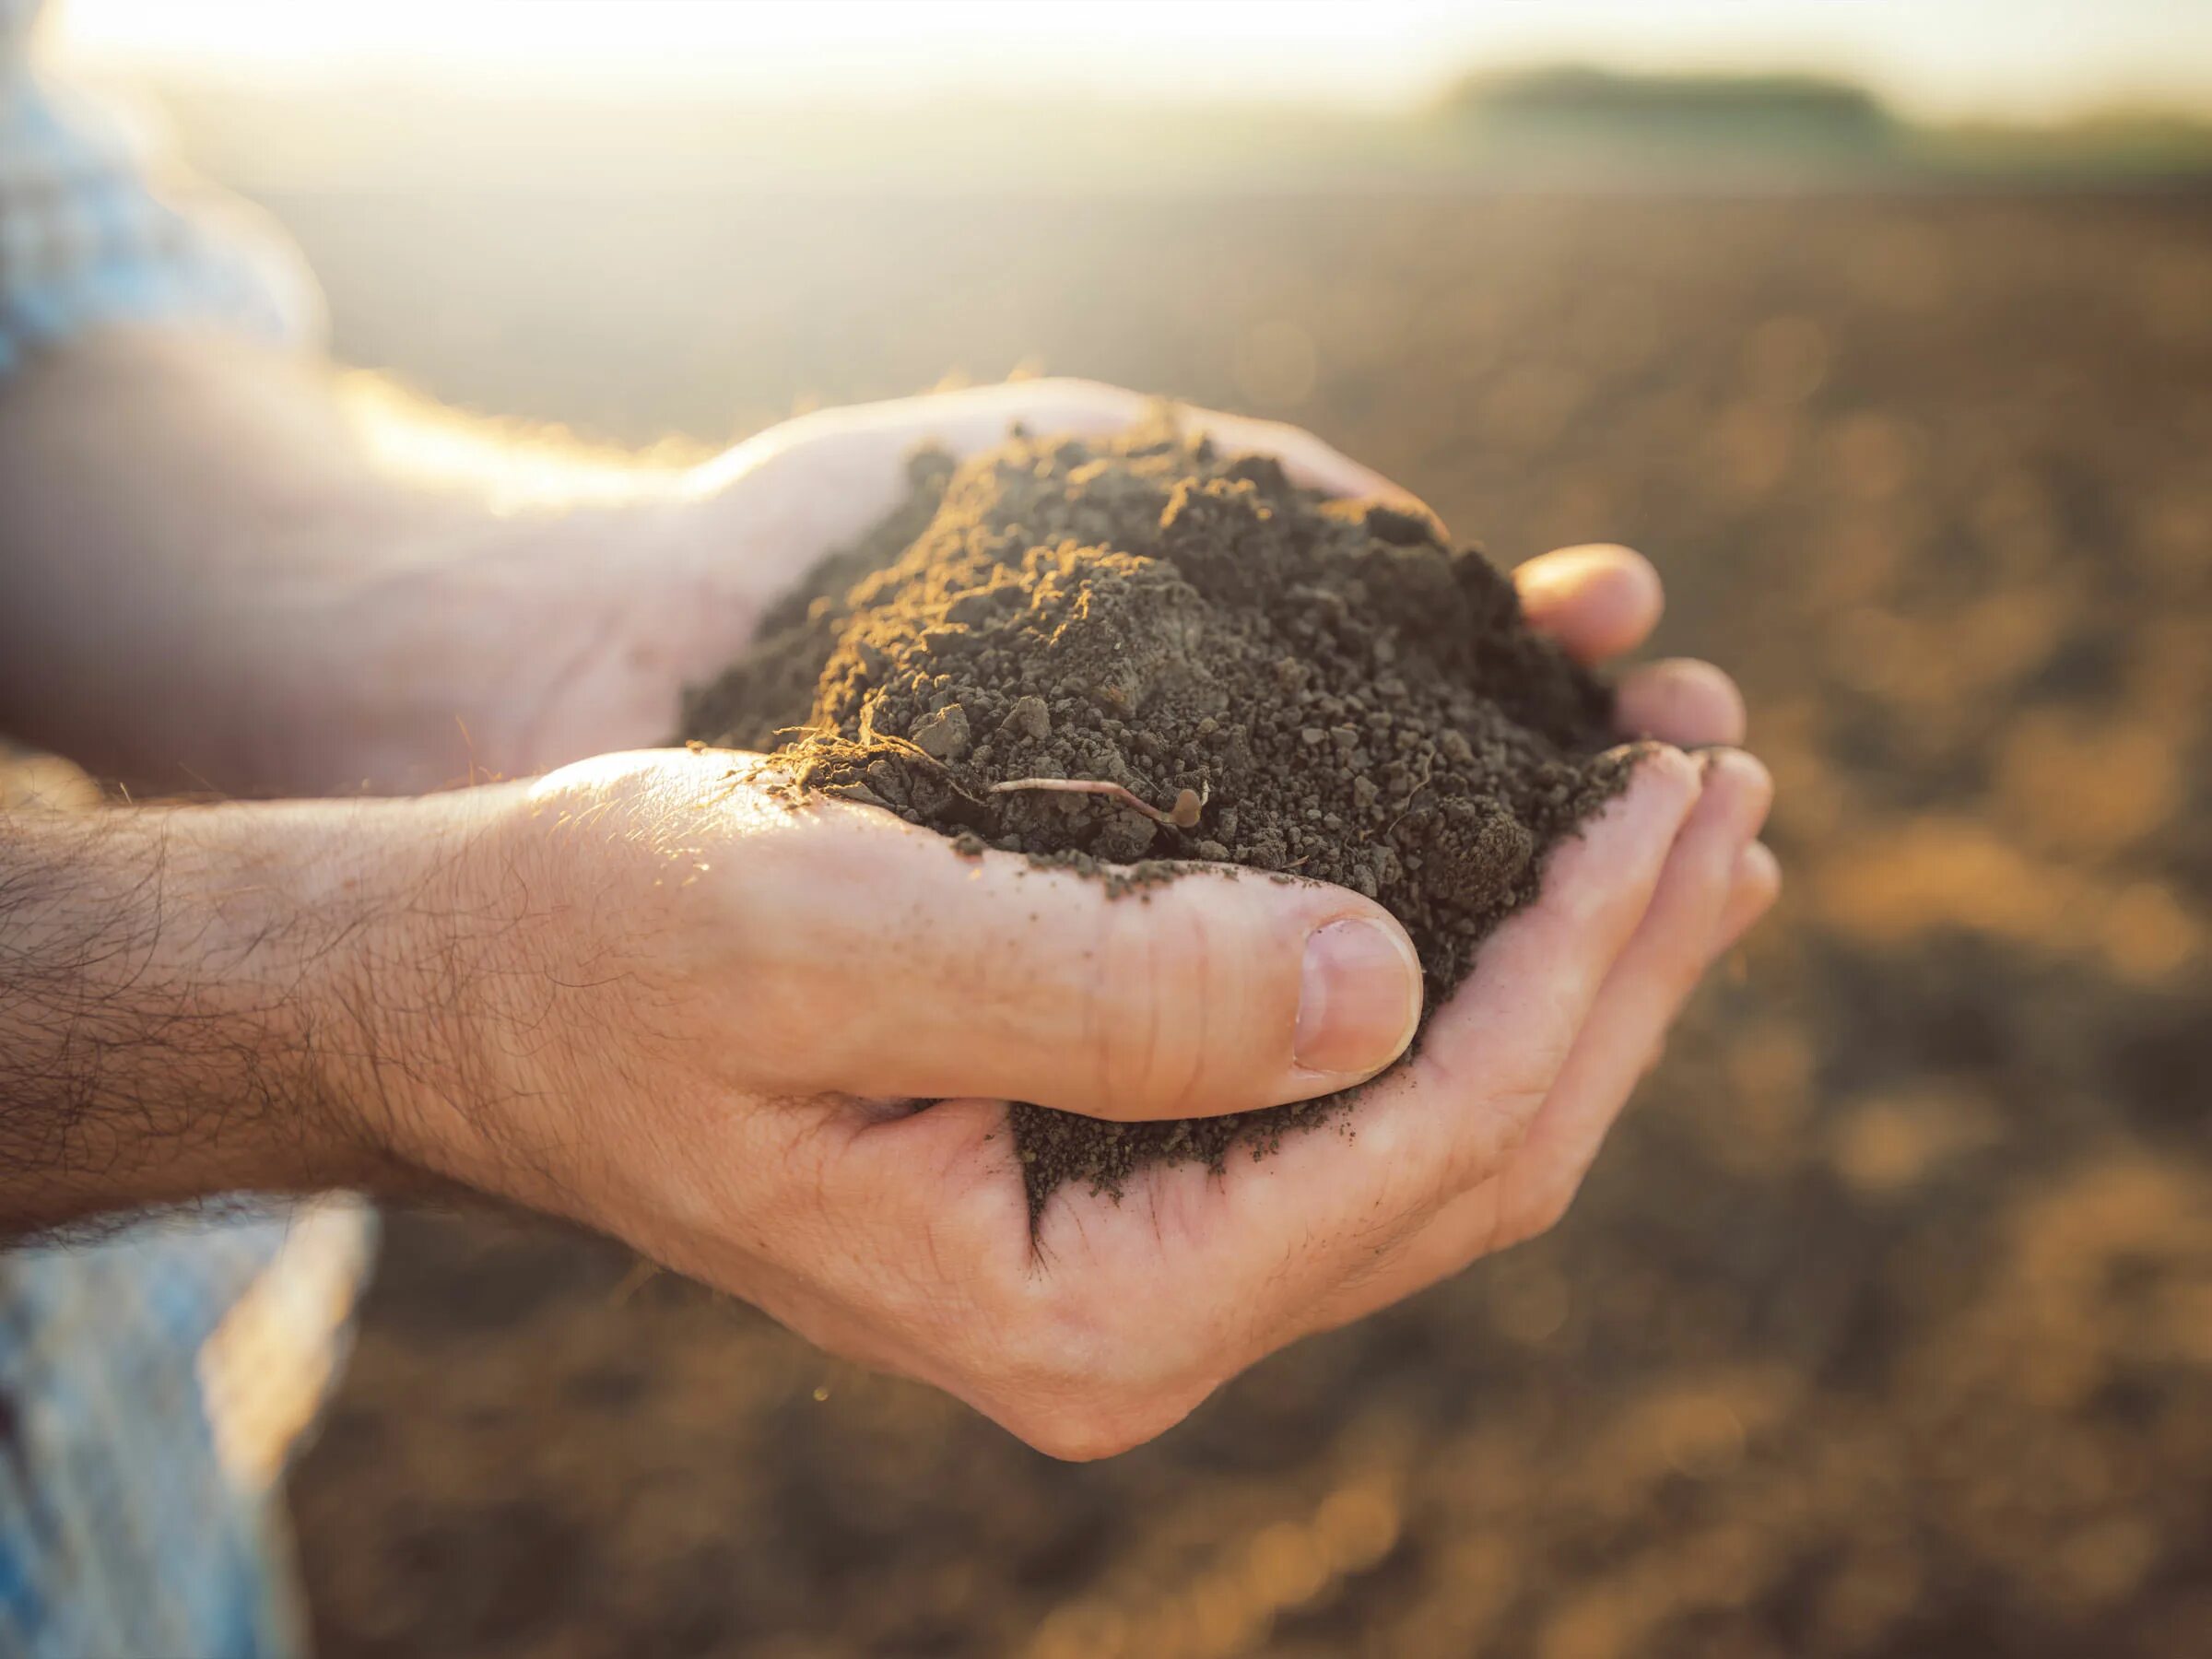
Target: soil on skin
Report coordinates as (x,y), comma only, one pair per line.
(1293,684)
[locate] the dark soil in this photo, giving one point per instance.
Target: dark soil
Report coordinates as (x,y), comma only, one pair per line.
(1286,682)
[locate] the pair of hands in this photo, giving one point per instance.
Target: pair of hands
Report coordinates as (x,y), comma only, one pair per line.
(674,1010)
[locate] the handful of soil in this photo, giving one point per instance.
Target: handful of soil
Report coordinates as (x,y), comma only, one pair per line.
(1235,668)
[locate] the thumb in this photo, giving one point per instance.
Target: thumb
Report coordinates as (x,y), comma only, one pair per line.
(905,969)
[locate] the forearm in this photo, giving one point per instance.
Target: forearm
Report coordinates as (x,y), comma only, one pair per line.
(187,1001)
(216,572)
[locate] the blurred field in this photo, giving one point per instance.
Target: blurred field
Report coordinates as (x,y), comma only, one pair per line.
(1884,1326)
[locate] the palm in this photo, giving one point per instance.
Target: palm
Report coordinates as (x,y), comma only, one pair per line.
(614,647)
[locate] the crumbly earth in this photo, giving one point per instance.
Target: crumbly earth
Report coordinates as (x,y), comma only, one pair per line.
(1317,688)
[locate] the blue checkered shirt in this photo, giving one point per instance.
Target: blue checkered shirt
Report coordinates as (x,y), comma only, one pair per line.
(151,1381)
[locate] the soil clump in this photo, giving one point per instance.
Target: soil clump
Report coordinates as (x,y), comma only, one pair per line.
(1235,669)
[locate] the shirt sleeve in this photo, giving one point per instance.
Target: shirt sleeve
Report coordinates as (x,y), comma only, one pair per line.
(96,227)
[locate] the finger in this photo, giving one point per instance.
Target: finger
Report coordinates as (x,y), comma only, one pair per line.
(1680,700)
(1641,995)
(888,965)
(1597,601)
(1703,884)
(1758,884)
(1502,1038)
(1328,1205)
(1493,1056)
(1490,1053)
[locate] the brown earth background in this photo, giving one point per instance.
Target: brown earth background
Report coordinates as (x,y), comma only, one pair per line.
(1884,1325)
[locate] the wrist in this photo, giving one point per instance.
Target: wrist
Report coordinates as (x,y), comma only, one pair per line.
(284,918)
(460,1019)
(413,1016)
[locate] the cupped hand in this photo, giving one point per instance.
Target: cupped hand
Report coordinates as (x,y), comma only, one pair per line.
(711,1016)
(615,631)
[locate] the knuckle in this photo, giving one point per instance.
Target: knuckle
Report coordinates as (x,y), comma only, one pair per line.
(1157,1004)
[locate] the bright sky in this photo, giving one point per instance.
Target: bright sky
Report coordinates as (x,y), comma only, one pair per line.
(2029,59)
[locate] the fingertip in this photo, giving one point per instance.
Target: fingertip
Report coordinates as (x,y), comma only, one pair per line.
(1681,701)
(1756,884)
(1759,871)
(1597,600)
(1665,782)
(1738,788)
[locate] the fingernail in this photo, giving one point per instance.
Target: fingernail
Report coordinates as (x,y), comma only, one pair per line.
(1358,998)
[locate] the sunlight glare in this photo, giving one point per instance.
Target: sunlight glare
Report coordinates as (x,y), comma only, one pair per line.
(2005,58)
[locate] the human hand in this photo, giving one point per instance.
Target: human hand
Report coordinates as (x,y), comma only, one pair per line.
(607,619)
(680,1011)
(557,633)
